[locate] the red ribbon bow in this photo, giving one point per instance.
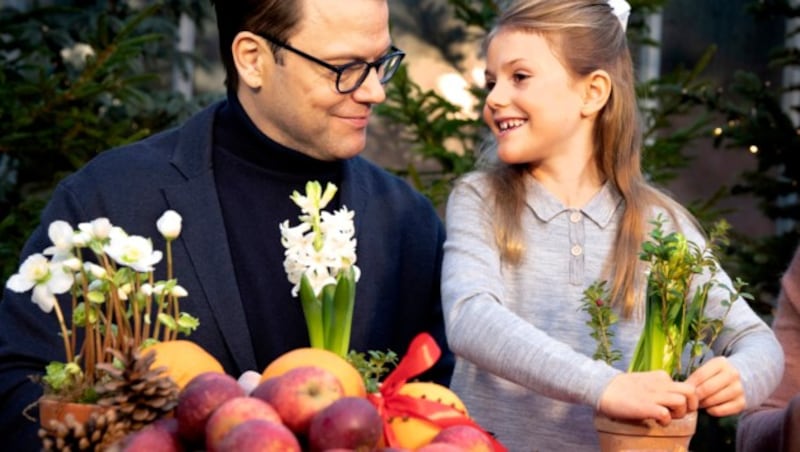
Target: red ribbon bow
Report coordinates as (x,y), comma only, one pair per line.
(422,354)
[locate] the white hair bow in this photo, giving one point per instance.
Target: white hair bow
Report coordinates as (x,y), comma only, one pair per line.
(622,10)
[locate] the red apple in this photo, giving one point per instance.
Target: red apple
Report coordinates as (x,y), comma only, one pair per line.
(348,423)
(232,413)
(467,437)
(160,436)
(440,447)
(301,393)
(199,398)
(262,390)
(259,435)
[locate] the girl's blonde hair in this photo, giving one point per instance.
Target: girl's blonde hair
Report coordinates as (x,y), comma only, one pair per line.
(586,36)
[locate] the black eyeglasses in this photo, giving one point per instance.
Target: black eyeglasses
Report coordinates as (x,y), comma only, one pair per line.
(350,76)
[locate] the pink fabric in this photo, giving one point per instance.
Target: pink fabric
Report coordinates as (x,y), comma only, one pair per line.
(775,425)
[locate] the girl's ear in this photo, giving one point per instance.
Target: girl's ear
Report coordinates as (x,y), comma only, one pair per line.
(597,89)
(251,57)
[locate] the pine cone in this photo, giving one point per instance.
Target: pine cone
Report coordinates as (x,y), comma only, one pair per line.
(139,394)
(101,430)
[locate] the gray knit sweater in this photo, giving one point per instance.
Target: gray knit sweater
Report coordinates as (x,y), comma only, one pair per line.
(524,367)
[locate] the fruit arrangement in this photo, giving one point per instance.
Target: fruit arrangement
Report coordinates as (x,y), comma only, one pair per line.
(311,399)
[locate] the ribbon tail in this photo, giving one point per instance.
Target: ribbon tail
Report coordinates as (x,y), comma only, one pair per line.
(422,354)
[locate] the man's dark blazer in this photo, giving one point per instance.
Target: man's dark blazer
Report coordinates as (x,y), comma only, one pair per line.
(399,252)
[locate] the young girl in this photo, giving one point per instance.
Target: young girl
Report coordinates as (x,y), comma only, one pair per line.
(565,204)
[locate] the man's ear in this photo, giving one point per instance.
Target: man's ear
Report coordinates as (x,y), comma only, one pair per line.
(597,89)
(252,57)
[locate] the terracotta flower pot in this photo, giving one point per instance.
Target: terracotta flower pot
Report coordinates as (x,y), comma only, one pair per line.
(52,409)
(618,435)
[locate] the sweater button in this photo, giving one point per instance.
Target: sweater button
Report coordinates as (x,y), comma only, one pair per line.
(575,216)
(576,250)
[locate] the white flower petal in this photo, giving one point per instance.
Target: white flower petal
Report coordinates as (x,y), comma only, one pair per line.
(95,270)
(60,281)
(101,228)
(44,298)
(19,283)
(36,268)
(169,224)
(178,291)
(60,233)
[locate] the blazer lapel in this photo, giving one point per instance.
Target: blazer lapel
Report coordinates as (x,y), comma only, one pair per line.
(205,238)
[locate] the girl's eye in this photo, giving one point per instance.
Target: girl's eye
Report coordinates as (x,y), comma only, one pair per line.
(518,77)
(490,84)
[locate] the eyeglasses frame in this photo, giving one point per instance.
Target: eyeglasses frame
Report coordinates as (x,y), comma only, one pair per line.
(339,70)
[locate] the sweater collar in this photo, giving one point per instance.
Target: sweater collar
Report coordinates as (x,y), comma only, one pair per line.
(600,209)
(235,133)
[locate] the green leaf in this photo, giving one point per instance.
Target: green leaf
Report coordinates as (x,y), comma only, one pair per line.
(168,321)
(342,318)
(187,323)
(312,311)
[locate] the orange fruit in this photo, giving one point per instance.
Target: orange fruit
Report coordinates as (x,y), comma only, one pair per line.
(183,360)
(413,433)
(349,376)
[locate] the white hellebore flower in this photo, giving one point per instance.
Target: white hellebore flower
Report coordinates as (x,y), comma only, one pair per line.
(98,228)
(95,270)
(169,225)
(146,289)
(77,54)
(45,278)
(133,251)
(60,233)
(179,292)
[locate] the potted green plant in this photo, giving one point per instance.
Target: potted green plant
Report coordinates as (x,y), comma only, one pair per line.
(675,326)
(117,308)
(320,262)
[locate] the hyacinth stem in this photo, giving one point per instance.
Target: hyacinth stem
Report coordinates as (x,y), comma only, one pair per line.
(328,313)
(338,338)
(312,311)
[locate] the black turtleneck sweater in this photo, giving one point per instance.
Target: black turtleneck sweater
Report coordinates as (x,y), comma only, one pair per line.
(255,177)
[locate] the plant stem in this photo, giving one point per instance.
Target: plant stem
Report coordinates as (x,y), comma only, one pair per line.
(312,310)
(67,349)
(338,339)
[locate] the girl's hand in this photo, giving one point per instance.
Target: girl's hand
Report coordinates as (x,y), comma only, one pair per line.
(719,388)
(648,395)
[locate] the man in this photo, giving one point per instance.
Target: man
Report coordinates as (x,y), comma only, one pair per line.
(302,77)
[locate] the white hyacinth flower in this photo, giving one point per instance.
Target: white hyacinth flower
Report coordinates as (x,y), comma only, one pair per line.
(338,245)
(169,224)
(47,279)
(133,251)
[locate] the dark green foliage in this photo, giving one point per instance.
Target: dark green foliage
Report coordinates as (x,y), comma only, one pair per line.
(58,111)
(435,129)
(756,122)
(673,96)
(602,318)
(373,366)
